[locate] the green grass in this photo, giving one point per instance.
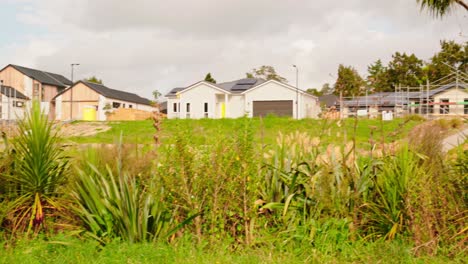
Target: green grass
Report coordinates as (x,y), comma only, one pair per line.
(266,130)
(69,250)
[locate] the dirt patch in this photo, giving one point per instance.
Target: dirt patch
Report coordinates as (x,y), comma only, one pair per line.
(83,129)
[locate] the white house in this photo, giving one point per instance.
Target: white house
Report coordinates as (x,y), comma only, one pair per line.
(251,97)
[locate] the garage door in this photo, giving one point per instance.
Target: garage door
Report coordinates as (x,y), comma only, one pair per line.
(279,108)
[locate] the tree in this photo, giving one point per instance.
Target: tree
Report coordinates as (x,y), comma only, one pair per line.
(326,89)
(405,70)
(440,8)
(349,82)
(93,79)
(452,55)
(156,94)
(210,79)
(314,91)
(377,77)
(267,73)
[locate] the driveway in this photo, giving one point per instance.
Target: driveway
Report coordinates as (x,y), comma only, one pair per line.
(454,140)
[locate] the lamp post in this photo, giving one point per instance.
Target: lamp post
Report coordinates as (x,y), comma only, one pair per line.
(71,90)
(297,91)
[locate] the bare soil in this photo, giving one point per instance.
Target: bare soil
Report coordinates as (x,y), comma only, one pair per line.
(83,129)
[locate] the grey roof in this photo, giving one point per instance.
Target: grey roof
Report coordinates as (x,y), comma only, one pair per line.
(241,85)
(174,91)
(236,86)
(424,94)
(12,92)
(329,100)
(112,93)
(43,76)
(116,94)
(382,99)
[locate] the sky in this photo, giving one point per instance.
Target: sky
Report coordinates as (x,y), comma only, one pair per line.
(145,45)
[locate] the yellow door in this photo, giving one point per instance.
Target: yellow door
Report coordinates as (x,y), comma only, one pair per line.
(223,110)
(89,113)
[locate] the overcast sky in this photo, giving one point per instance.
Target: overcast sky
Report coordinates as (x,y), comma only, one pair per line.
(143,45)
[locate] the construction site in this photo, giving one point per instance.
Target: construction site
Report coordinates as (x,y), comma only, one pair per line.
(446,97)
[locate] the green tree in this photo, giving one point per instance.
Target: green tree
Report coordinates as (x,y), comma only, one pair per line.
(377,77)
(93,79)
(453,54)
(267,73)
(405,70)
(210,79)
(349,82)
(314,91)
(156,94)
(440,8)
(326,89)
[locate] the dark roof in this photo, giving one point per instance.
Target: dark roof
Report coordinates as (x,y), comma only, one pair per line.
(43,76)
(12,92)
(424,94)
(174,91)
(329,100)
(112,93)
(241,85)
(237,86)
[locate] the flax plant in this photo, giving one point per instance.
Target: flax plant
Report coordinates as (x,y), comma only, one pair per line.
(39,170)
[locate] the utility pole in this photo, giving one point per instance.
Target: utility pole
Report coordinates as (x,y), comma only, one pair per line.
(71,90)
(297,91)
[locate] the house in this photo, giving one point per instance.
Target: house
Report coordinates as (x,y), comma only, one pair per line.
(91,101)
(447,99)
(250,96)
(32,84)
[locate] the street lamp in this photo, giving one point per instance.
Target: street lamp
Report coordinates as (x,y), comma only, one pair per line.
(297,91)
(71,90)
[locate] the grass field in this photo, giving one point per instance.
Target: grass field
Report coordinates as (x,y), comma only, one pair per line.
(224,191)
(266,130)
(69,250)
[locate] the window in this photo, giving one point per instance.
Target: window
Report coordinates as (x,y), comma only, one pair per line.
(444,106)
(465,106)
(130,106)
(43,95)
(206,110)
(187,109)
(36,90)
(115,105)
(123,105)
(18,104)
(175,108)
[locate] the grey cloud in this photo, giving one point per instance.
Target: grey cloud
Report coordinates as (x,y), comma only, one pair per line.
(146,45)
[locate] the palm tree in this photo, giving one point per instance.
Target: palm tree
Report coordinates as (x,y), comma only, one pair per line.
(440,8)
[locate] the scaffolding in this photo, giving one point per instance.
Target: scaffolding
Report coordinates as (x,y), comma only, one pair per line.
(421,99)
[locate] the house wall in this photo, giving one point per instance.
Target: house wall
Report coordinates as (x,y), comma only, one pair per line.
(14,78)
(170,107)
(8,111)
(236,106)
(197,97)
(82,96)
(310,107)
(455,96)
